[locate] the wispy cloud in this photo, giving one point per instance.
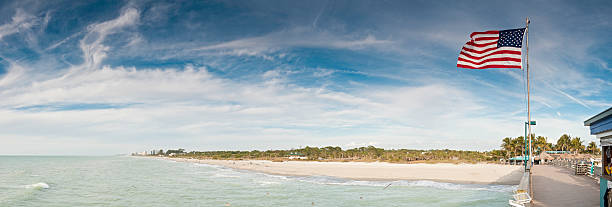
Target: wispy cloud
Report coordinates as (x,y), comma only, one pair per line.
(91,45)
(296,37)
(20,21)
(571,98)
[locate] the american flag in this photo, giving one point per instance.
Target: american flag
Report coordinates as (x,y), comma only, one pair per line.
(492,49)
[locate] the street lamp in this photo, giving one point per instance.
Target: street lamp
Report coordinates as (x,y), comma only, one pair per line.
(528,156)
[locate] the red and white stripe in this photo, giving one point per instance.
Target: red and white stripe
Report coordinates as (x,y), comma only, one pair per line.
(481,52)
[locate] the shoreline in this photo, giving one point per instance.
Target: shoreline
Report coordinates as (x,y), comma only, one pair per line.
(488,174)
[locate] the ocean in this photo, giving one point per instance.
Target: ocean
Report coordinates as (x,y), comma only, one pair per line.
(137,181)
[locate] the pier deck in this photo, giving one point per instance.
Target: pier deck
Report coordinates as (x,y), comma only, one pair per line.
(556,186)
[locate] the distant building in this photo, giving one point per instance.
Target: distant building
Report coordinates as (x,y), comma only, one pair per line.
(297,156)
(558,152)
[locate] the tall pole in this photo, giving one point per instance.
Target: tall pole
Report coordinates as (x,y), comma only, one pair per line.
(525,148)
(528,103)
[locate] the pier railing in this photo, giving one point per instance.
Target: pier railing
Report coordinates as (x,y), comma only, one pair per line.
(522,194)
(591,171)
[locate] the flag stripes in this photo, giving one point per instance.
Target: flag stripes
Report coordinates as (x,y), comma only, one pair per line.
(486,50)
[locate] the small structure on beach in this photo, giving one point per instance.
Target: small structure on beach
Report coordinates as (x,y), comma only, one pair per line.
(517,160)
(563,156)
(543,158)
(601,126)
(558,152)
(297,156)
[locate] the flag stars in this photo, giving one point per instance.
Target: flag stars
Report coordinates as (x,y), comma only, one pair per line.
(511,38)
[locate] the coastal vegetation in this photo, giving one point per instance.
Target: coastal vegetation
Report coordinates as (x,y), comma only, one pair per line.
(369,153)
(510,147)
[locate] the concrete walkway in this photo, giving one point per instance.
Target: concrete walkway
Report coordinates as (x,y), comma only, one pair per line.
(556,186)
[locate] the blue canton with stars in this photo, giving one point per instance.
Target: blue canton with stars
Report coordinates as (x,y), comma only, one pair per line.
(511,38)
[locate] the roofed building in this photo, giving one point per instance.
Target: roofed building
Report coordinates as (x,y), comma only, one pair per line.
(601,126)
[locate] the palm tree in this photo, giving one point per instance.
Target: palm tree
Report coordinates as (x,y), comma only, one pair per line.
(512,151)
(563,142)
(592,147)
(517,145)
(576,145)
(541,144)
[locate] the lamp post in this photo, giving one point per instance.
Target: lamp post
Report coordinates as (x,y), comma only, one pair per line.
(528,147)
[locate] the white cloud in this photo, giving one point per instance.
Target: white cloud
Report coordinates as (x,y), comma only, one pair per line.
(194,108)
(571,97)
(91,45)
(14,74)
(20,21)
(296,37)
(369,40)
(321,72)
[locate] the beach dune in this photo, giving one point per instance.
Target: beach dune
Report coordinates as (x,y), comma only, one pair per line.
(453,173)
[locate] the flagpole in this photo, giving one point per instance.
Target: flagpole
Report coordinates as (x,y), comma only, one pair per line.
(528,101)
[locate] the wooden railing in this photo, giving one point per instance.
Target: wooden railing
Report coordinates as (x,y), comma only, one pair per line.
(592,171)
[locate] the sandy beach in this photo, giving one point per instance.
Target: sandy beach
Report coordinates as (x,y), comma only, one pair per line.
(453,173)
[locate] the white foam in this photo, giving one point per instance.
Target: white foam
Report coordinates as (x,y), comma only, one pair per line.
(37,186)
(208,165)
(281,177)
(224,175)
(325,180)
(262,182)
(453,186)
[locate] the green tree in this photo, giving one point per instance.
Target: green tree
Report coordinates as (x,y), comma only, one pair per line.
(576,145)
(507,146)
(541,144)
(563,143)
(592,147)
(518,146)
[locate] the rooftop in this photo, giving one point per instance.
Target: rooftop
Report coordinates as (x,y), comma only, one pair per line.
(598,117)
(601,124)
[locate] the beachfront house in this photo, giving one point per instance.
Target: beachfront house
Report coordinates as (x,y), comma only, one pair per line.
(601,126)
(543,158)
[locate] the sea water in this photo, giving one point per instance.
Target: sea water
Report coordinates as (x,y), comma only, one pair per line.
(136,181)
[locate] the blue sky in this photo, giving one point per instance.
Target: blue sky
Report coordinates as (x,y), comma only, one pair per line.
(121,76)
